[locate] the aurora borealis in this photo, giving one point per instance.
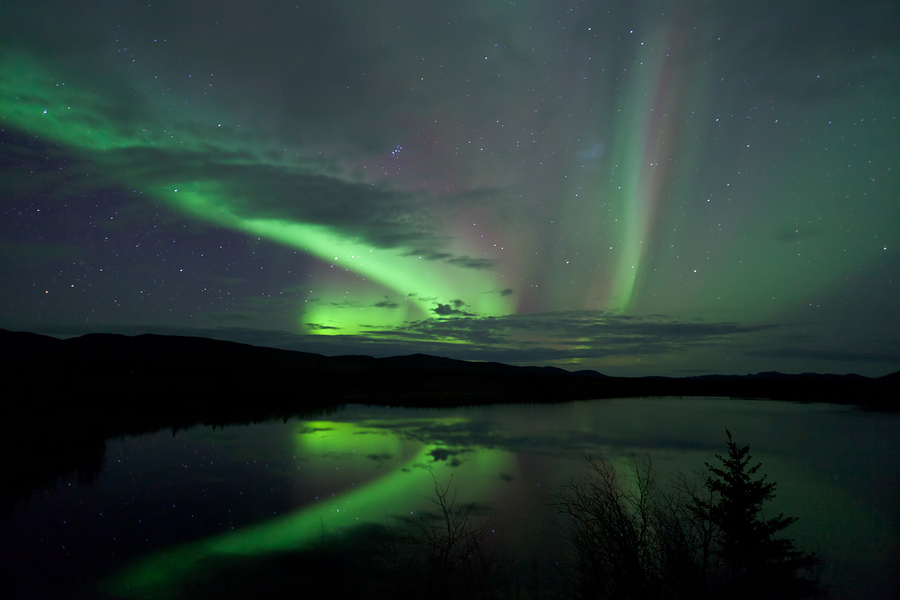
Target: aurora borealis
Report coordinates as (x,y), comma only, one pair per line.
(641,188)
(398,490)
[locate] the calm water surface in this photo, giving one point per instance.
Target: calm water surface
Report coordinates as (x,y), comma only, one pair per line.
(166,510)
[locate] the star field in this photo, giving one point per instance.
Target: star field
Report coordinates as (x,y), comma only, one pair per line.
(639,188)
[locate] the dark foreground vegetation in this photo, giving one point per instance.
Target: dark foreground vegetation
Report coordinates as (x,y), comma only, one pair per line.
(700,538)
(706,537)
(629,538)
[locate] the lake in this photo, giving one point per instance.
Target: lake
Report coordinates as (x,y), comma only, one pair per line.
(175,515)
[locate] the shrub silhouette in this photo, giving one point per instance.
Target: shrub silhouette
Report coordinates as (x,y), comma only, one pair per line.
(611,532)
(756,563)
(441,554)
(700,538)
(630,540)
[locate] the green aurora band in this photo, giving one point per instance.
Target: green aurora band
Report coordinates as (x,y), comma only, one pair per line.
(648,140)
(802,234)
(404,490)
(35,101)
(635,188)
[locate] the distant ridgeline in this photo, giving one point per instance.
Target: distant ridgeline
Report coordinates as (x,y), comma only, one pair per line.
(65,398)
(146,372)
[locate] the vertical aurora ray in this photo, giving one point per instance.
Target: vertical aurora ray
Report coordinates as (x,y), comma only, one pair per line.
(406,178)
(405,490)
(649,132)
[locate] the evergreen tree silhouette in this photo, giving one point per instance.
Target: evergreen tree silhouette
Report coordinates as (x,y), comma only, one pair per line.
(756,563)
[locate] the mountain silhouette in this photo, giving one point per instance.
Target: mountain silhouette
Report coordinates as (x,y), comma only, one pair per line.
(107,370)
(65,398)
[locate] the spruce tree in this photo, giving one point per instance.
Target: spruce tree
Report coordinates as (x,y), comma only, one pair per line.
(756,563)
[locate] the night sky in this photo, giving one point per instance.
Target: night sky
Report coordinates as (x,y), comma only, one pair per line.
(637,187)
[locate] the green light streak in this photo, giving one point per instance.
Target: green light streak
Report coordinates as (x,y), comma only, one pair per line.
(428,280)
(320,437)
(34,100)
(403,491)
(634,188)
(43,103)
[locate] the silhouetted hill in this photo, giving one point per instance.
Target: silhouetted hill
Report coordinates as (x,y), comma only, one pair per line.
(895,377)
(64,398)
(588,373)
(106,371)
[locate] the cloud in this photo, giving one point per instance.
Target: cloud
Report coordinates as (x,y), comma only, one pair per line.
(380,216)
(380,457)
(473,263)
(427,254)
(445,310)
(386,304)
(541,338)
(455,439)
(442,454)
(558,336)
(316,327)
(887,356)
(507,292)
(515,339)
(306,190)
(592,157)
(465,262)
(239,178)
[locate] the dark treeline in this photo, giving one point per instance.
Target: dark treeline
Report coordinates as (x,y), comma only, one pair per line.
(65,398)
(700,537)
(37,448)
(101,370)
(705,536)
